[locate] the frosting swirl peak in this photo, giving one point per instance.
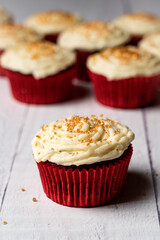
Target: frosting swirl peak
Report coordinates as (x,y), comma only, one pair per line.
(81,140)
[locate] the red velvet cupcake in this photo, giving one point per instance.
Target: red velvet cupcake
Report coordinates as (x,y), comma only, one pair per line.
(83,161)
(138,25)
(88,38)
(124,77)
(12,34)
(40,72)
(51,23)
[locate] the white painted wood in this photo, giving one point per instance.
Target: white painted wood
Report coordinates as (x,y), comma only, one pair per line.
(132,216)
(12,116)
(152,115)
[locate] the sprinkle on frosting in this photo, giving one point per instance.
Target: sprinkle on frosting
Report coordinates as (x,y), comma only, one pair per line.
(13,34)
(139,23)
(52,21)
(41,59)
(81,140)
(93,36)
(124,62)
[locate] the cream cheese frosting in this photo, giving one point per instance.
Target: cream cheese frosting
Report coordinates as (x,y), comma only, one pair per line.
(81,140)
(124,62)
(151,44)
(13,34)
(41,59)
(93,36)
(5,16)
(139,23)
(52,21)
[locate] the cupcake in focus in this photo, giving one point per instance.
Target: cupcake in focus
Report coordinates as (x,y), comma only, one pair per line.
(51,23)
(138,25)
(5,16)
(124,77)
(83,161)
(88,38)
(39,72)
(14,34)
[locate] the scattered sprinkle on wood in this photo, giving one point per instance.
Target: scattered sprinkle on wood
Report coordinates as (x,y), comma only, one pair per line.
(4,223)
(156,174)
(34,199)
(143,194)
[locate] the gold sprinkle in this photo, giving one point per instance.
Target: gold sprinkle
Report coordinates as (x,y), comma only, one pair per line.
(36,144)
(52,148)
(34,199)
(38,136)
(4,223)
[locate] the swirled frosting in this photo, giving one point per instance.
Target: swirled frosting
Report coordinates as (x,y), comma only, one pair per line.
(81,140)
(139,23)
(5,16)
(93,36)
(151,44)
(52,21)
(124,62)
(13,34)
(41,59)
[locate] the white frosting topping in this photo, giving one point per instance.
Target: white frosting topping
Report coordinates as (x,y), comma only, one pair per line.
(81,140)
(151,44)
(40,59)
(93,36)
(124,62)
(13,34)
(52,21)
(139,23)
(5,16)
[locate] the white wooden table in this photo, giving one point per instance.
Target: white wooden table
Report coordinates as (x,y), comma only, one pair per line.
(136,213)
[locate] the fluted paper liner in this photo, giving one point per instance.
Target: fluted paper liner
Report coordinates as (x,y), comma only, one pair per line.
(51,89)
(86,185)
(125,93)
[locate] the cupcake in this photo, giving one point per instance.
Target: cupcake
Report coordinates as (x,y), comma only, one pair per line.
(5,16)
(51,23)
(124,77)
(39,72)
(88,38)
(83,161)
(138,25)
(151,44)
(14,34)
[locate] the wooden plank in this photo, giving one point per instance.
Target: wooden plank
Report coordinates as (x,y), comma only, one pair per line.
(12,116)
(132,216)
(152,124)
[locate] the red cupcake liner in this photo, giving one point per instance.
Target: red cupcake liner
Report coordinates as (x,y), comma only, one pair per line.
(2,71)
(86,185)
(125,93)
(52,89)
(51,37)
(82,73)
(135,39)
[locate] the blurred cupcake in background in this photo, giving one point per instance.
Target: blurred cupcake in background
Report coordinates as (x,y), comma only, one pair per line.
(138,25)
(151,44)
(12,34)
(51,23)
(5,16)
(83,161)
(90,37)
(39,72)
(124,77)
